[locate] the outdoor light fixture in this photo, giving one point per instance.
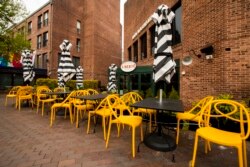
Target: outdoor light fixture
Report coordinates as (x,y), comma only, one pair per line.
(208,51)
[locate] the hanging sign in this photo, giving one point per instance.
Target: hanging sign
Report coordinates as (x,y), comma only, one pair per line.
(128,66)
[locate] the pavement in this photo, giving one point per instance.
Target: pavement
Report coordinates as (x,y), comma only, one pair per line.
(27,140)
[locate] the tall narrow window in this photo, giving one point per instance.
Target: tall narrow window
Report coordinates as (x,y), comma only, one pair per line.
(39,22)
(78,44)
(78,26)
(143,40)
(39,41)
(76,61)
(176,25)
(45,38)
(135,46)
(129,54)
(45,18)
(152,41)
(29,27)
(44,59)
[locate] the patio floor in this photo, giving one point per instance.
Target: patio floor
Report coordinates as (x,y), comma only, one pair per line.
(27,140)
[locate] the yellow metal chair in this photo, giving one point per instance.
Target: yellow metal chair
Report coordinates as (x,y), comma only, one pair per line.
(130,120)
(43,98)
(66,104)
(192,115)
(80,106)
(103,110)
(12,94)
(228,110)
(24,93)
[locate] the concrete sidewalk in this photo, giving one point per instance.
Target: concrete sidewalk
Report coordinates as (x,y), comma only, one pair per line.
(27,140)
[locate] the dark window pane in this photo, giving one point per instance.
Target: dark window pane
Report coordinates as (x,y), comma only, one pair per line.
(143,40)
(135,45)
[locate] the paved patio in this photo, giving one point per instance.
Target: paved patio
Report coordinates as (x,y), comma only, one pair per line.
(27,140)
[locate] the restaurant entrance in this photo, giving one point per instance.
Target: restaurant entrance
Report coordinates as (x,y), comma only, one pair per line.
(141,79)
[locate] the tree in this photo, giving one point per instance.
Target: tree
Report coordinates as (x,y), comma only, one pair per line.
(11,12)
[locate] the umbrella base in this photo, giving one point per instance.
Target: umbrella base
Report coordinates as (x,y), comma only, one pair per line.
(160,142)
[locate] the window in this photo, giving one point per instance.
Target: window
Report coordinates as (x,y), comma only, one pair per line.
(39,41)
(41,61)
(78,44)
(143,40)
(134,80)
(135,45)
(39,22)
(76,61)
(29,27)
(78,27)
(129,54)
(176,25)
(152,39)
(46,18)
(45,38)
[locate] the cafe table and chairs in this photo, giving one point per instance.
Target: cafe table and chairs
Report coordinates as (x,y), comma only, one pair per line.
(158,140)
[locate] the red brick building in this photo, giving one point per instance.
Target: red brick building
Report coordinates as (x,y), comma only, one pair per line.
(223,25)
(93,27)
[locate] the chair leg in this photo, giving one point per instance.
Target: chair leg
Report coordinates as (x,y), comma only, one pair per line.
(108,136)
(195,149)
(42,108)
(244,152)
(104,127)
(51,116)
(89,116)
(177,131)
(240,156)
(77,113)
(133,142)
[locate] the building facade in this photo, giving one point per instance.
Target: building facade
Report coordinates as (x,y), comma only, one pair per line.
(211,40)
(93,27)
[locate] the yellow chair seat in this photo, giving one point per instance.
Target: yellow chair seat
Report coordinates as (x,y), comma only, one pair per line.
(103,112)
(133,121)
(188,116)
(220,136)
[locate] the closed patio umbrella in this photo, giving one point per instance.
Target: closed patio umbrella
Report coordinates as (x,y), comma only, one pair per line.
(164,65)
(27,61)
(79,77)
(112,78)
(66,69)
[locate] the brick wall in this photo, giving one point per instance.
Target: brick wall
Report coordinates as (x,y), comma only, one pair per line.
(222,24)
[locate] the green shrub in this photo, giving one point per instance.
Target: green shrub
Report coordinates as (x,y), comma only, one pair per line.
(71,84)
(173,94)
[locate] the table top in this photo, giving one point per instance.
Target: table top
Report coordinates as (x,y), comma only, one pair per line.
(92,97)
(166,104)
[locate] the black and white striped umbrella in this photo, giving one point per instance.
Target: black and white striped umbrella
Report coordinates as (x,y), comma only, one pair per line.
(79,77)
(66,69)
(27,61)
(112,78)
(164,65)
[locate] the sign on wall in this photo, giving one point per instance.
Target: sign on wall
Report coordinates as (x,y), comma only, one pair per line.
(128,66)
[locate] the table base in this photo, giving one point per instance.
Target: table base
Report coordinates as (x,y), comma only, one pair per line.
(160,142)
